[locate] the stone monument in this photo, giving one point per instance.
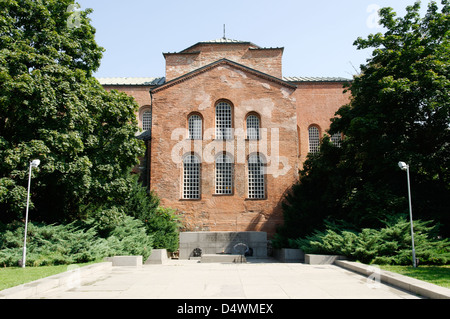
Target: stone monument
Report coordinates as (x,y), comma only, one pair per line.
(223,242)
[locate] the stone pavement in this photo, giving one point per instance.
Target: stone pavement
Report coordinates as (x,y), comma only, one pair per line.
(185,279)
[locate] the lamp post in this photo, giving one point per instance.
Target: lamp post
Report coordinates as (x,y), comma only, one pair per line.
(405,167)
(33,163)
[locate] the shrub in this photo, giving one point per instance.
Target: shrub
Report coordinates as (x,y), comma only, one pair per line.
(130,237)
(51,245)
(389,245)
(72,243)
(104,220)
(161,223)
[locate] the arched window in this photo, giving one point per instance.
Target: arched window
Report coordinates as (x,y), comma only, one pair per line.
(191,177)
(314,139)
(147,120)
(195,127)
(252,127)
(224,174)
(223,121)
(256,187)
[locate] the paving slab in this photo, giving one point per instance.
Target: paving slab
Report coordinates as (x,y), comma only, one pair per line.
(261,279)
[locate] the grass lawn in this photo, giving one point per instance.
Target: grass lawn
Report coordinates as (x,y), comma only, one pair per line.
(14,276)
(438,275)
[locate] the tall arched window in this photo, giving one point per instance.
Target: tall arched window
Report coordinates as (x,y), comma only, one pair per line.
(191,177)
(314,139)
(252,127)
(224,174)
(147,120)
(256,187)
(195,127)
(223,121)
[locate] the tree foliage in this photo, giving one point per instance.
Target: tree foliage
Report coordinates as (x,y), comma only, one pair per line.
(399,111)
(51,108)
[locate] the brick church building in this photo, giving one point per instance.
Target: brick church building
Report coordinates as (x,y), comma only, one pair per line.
(227,133)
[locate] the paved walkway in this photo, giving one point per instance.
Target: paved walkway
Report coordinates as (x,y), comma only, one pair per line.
(257,280)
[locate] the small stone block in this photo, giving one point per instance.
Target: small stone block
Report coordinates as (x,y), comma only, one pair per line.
(126,261)
(158,256)
(321,259)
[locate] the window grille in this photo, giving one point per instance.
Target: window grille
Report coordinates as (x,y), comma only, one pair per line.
(224,174)
(195,127)
(147,120)
(314,139)
(223,121)
(336,139)
(252,127)
(191,177)
(256,187)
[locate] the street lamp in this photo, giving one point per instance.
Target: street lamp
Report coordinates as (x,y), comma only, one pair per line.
(33,163)
(405,167)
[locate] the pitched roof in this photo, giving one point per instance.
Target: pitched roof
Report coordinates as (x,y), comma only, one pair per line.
(131,81)
(221,41)
(158,81)
(225,40)
(210,66)
(314,79)
(145,135)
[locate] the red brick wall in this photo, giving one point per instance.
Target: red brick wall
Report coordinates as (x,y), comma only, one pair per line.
(317,103)
(265,60)
(285,115)
(248,93)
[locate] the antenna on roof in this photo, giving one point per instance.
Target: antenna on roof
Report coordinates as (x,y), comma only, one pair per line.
(224,32)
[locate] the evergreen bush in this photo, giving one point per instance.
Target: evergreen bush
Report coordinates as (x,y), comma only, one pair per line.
(72,243)
(160,222)
(130,237)
(388,245)
(164,224)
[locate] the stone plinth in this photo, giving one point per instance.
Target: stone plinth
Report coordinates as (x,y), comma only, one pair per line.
(289,255)
(158,256)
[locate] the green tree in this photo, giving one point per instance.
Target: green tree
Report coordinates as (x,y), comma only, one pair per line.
(315,197)
(161,223)
(52,108)
(399,111)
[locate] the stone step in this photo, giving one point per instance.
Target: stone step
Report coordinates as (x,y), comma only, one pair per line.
(222,258)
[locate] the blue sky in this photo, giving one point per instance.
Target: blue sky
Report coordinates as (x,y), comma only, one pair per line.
(317,36)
